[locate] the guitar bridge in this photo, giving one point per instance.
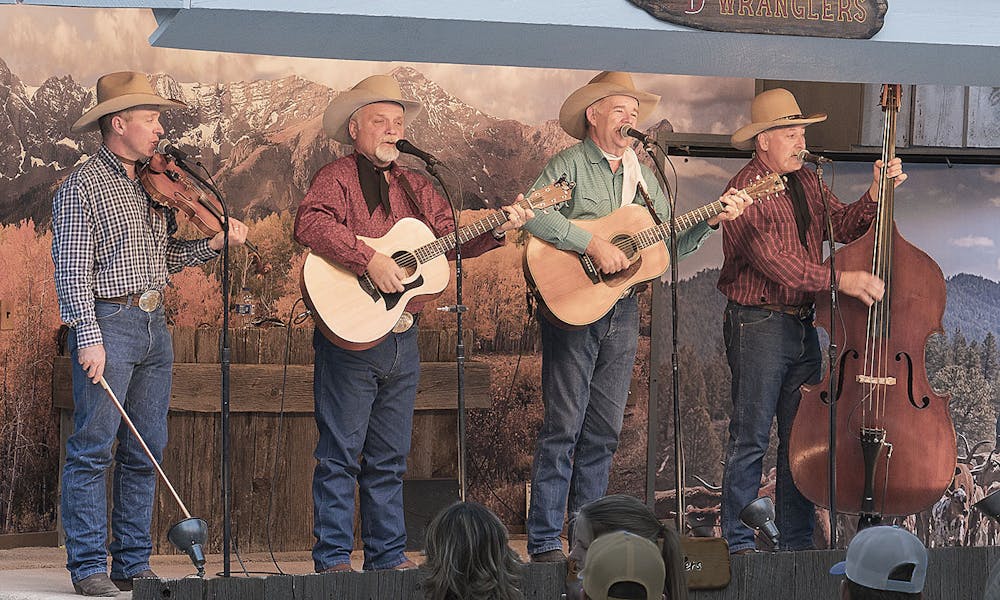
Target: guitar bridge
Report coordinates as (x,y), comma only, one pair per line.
(588,267)
(369,288)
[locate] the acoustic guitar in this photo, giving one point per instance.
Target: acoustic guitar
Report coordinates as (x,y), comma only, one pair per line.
(355,315)
(576,293)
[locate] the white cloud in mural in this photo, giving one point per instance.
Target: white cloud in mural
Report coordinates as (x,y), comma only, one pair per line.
(995,201)
(702,169)
(972,241)
(990,174)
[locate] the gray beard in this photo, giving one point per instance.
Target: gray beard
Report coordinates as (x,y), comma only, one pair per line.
(386,154)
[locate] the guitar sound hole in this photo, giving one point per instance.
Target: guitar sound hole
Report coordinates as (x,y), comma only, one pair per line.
(626,244)
(406,261)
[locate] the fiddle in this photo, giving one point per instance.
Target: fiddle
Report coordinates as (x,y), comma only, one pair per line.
(171,187)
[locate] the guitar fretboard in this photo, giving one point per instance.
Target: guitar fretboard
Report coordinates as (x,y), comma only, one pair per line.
(447,242)
(539,199)
(763,186)
(657,233)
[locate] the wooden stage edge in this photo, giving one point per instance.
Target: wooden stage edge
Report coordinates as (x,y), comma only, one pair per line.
(953,574)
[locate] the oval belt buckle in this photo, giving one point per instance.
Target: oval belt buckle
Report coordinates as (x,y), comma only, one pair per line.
(150,300)
(404,323)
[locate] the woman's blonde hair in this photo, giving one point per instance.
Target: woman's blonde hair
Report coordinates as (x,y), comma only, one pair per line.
(468,556)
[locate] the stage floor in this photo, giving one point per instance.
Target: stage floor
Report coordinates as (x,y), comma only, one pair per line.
(40,573)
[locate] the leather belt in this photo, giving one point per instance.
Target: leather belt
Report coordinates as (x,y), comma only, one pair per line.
(799,311)
(147,301)
(634,290)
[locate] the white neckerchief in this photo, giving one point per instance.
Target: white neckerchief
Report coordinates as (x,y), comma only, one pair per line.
(631,173)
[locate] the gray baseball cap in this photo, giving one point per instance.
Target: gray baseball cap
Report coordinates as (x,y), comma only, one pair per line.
(885,558)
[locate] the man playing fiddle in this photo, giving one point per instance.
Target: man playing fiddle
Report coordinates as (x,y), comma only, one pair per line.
(113,250)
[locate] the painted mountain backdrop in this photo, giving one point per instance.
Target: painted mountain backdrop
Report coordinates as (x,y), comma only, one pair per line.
(262,140)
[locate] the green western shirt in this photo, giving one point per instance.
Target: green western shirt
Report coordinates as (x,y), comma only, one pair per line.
(597,194)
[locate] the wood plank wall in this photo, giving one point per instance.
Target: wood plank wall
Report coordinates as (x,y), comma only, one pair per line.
(952,574)
(272,446)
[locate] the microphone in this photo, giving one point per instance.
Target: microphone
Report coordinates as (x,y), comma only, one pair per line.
(406,147)
(627,131)
(816,159)
(165,147)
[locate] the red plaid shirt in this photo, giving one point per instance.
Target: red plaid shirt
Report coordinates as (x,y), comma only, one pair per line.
(334,213)
(765,263)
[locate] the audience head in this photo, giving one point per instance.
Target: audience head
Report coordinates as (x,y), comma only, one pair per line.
(883,563)
(623,566)
(468,556)
(619,512)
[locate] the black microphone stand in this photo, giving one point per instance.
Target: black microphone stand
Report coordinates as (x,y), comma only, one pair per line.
(225,365)
(458,308)
(832,358)
(679,476)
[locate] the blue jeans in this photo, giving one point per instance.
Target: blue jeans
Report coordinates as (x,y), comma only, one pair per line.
(770,355)
(364,407)
(138,368)
(585,381)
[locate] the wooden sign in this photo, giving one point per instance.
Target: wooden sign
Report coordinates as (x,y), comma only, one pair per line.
(856,19)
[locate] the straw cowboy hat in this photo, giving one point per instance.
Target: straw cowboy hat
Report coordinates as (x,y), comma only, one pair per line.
(573,114)
(117,92)
(377,88)
(770,109)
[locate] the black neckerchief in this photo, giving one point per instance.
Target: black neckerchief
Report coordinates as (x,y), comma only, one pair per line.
(800,206)
(374,186)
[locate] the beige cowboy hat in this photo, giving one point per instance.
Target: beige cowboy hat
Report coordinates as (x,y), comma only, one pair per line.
(377,88)
(117,92)
(573,114)
(770,109)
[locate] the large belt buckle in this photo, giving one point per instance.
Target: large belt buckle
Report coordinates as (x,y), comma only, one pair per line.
(150,300)
(404,323)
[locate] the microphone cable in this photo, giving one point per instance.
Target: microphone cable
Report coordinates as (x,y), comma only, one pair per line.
(293,319)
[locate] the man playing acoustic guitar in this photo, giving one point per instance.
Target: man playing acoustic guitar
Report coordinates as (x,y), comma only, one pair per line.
(364,398)
(586,372)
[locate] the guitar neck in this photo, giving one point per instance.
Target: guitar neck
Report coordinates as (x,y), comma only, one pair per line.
(658,233)
(447,242)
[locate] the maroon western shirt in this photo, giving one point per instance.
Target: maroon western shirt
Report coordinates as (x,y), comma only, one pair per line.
(765,263)
(334,213)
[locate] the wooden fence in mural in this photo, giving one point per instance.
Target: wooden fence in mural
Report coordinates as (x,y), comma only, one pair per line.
(272,443)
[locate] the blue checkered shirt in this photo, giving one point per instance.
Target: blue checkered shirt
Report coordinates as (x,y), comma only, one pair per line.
(109,239)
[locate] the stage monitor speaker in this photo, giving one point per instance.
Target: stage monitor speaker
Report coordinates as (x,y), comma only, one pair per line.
(840,101)
(422,500)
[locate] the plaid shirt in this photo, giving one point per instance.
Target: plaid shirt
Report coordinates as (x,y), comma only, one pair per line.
(109,239)
(765,263)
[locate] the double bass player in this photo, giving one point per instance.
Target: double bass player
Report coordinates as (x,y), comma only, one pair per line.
(771,272)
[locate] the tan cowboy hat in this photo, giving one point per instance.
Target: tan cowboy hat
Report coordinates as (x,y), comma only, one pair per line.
(377,88)
(770,109)
(118,91)
(573,114)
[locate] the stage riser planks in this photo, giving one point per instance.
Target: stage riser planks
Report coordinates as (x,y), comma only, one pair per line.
(953,574)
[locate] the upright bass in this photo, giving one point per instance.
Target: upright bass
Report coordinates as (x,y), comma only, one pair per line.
(895,441)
